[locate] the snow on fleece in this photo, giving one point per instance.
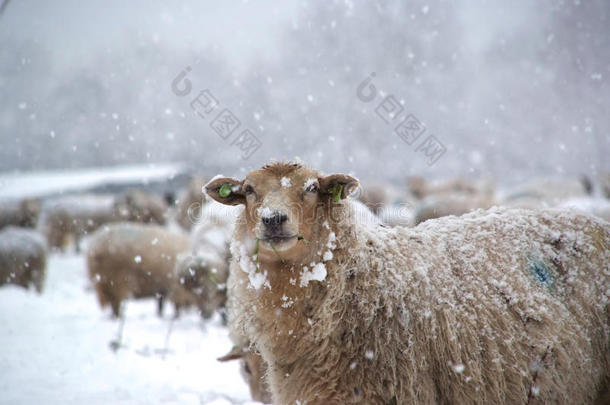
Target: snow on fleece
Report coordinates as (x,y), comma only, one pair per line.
(478,271)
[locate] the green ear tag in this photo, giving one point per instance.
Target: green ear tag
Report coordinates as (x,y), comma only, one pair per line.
(336,192)
(224,190)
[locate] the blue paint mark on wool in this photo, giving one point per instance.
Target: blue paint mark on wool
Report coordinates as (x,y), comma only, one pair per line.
(541,272)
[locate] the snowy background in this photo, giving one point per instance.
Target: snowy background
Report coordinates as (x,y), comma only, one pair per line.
(56,349)
(512,91)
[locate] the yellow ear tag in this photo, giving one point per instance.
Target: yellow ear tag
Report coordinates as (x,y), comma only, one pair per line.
(224,190)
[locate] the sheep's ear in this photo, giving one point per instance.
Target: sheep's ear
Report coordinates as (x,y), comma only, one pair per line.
(338,186)
(226,191)
(234,354)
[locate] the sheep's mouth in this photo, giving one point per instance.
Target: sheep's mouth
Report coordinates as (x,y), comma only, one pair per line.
(278,239)
(279,243)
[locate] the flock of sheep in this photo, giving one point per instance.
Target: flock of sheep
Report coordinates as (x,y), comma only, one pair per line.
(138,245)
(366,299)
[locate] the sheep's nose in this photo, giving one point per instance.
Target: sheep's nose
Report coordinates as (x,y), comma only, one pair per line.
(275,220)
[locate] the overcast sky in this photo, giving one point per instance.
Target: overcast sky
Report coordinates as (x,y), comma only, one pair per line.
(76,30)
(508,87)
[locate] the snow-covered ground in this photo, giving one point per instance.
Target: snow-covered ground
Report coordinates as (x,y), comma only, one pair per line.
(55,349)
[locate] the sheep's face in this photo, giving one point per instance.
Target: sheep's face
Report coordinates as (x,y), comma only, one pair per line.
(283,205)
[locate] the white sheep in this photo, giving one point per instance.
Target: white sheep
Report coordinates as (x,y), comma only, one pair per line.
(544,192)
(190,202)
(500,306)
(204,269)
(140,206)
(19,212)
(74,217)
(387,203)
(131,260)
(22,257)
(420,188)
(437,206)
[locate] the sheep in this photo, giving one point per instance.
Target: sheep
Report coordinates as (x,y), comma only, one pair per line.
(435,207)
(203,271)
(215,226)
(190,202)
(420,188)
(604,183)
(451,197)
(545,192)
(74,217)
(387,204)
(22,213)
(252,369)
(376,195)
(402,214)
(364,215)
(22,258)
(132,260)
(599,207)
(204,277)
(502,306)
(139,206)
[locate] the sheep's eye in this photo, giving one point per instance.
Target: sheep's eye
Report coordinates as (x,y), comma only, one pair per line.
(249,189)
(312,188)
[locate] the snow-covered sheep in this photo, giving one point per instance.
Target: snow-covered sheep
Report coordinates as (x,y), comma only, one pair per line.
(364,215)
(544,192)
(132,260)
(402,214)
(420,188)
(19,212)
(140,206)
(22,257)
(604,183)
(215,226)
(253,370)
(73,217)
(203,271)
(499,306)
(190,202)
(204,277)
(600,207)
(387,204)
(450,204)
(376,195)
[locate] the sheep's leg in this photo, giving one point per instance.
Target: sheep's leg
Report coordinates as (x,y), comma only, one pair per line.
(56,239)
(167,335)
(117,307)
(22,282)
(77,240)
(64,240)
(160,304)
(223,316)
(116,343)
(38,279)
